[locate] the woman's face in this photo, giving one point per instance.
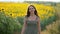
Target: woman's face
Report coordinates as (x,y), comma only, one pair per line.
(31,9)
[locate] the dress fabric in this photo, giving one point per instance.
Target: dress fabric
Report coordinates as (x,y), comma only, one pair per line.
(31,27)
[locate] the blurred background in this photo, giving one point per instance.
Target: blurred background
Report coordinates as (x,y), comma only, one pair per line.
(12,14)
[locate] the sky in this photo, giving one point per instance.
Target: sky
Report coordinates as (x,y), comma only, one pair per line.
(28,0)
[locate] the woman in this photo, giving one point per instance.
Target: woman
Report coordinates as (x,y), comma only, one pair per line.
(31,22)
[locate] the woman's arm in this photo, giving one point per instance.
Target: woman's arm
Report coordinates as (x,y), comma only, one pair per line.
(24,25)
(39,28)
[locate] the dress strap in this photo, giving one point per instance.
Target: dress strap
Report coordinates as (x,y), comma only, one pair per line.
(36,17)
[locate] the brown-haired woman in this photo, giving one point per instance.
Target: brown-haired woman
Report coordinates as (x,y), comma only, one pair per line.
(31,22)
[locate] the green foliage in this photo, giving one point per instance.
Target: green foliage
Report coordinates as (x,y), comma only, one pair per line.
(8,25)
(20,19)
(48,21)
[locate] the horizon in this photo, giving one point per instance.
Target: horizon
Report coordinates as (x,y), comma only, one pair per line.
(29,0)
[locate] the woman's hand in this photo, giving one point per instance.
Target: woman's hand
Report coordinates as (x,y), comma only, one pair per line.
(39,32)
(21,32)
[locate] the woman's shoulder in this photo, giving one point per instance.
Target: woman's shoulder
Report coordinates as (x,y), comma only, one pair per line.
(38,18)
(25,17)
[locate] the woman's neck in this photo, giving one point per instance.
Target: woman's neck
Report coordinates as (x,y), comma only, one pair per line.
(32,15)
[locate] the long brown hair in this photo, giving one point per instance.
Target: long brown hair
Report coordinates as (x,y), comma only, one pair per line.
(28,13)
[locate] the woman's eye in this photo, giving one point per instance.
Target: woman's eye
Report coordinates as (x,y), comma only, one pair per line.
(31,8)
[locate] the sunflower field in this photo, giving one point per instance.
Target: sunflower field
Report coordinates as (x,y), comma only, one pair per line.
(12,15)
